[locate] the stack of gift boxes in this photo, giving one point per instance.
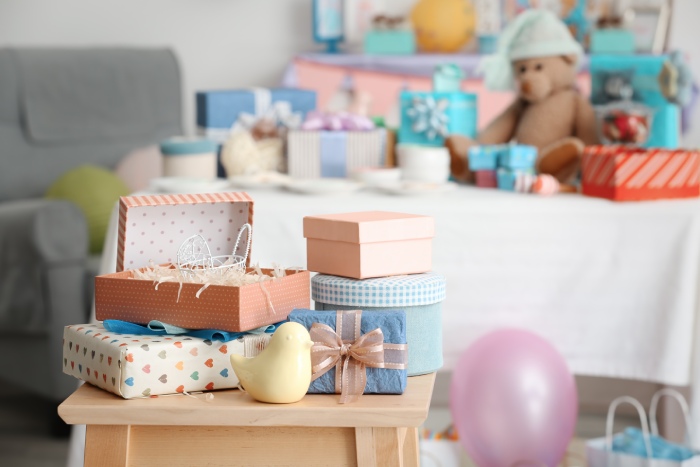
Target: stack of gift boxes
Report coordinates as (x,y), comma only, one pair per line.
(162,336)
(509,167)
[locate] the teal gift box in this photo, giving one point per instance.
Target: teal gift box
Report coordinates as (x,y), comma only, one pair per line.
(419,295)
(484,157)
(390,42)
(612,41)
(517,156)
(642,73)
(518,180)
(428,117)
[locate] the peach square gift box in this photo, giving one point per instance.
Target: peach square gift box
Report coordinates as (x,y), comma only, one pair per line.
(151,230)
(363,245)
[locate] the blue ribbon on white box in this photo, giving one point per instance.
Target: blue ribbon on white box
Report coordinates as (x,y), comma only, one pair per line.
(333,152)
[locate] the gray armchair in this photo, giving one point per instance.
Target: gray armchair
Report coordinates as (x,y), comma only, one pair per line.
(60,108)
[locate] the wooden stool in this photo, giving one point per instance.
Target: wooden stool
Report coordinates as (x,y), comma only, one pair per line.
(233,429)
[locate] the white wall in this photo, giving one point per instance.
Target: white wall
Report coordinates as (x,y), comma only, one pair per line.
(220,43)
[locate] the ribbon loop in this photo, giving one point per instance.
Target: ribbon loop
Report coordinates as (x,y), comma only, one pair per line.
(351,357)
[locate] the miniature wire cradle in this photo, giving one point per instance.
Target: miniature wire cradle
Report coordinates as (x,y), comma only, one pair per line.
(194,256)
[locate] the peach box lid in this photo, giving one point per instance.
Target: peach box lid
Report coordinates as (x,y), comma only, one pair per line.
(153,227)
(369,227)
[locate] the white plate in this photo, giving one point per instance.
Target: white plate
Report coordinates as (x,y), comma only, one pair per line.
(323,186)
(260,180)
(189,185)
(406,188)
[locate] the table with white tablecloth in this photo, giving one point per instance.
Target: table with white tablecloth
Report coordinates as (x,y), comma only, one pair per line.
(614,286)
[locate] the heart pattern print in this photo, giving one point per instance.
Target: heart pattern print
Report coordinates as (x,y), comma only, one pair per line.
(148,366)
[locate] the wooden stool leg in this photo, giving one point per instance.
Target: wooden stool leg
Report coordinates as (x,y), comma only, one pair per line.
(106,445)
(379,447)
(411,453)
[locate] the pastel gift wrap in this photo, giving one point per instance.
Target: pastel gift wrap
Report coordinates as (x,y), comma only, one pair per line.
(133,366)
(643,72)
(420,296)
(334,154)
(515,180)
(484,157)
(517,156)
(218,111)
(429,117)
(379,380)
(369,244)
(612,41)
(390,42)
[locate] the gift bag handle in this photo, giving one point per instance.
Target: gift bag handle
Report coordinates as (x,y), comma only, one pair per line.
(684,407)
(642,418)
(238,240)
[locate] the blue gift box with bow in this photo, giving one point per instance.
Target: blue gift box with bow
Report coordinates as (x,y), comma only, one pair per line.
(392,324)
(428,117)
(641,79)
(218,111)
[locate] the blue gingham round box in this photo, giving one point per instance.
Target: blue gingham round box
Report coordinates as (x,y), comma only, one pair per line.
(419,295)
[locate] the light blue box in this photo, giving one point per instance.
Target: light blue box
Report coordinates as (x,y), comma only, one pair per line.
(517,156)
(457,110)
(447,78)
(390,42)
(485,157)
(643,70)
(508,177)
(419,295)
(612,41)
(379,380)
(221,109)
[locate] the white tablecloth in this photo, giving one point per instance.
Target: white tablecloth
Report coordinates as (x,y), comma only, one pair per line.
(614,286)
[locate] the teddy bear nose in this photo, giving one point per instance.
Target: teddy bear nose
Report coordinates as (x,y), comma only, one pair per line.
(525,87)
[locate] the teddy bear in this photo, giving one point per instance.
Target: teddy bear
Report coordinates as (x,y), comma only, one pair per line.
(538,57)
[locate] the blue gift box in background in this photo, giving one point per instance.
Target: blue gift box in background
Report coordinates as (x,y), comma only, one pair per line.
(390,42)
(642,73)
(508,178)
(612,41)
(517,156)
(428,117)
(379,380)
(484,157)
(219,110)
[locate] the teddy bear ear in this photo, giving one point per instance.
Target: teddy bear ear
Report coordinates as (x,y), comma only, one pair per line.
(570,59)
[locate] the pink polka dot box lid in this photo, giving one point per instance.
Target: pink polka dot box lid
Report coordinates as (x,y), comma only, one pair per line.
(152,228)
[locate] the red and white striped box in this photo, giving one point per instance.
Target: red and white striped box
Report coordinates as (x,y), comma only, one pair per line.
(622,173)
(151,230)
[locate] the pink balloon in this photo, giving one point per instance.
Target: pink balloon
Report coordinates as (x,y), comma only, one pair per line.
(513,400)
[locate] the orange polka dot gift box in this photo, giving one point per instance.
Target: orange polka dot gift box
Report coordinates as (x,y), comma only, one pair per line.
(135,366)
(176,257)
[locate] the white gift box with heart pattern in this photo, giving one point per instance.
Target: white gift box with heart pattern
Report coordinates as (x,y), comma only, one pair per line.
(134,366)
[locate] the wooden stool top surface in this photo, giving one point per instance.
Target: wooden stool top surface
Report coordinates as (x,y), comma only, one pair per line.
(90,405)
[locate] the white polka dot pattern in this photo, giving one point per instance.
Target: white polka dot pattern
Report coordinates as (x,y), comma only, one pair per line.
(234,309)
(152,228)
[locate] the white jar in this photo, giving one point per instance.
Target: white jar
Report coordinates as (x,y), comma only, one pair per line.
(191,158)
(429,164)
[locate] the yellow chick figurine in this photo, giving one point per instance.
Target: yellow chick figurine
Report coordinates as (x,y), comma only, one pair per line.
(280,374)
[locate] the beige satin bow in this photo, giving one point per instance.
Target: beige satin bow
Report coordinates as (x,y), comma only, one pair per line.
(351,353)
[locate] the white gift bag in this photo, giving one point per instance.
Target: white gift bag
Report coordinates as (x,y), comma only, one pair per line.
(599,451)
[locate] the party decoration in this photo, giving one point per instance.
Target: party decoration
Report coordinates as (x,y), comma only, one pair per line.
(443,25)
(513,400)
(281,374)
(337,121)
(428,116)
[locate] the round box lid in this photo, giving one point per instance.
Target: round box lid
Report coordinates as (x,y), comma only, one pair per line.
(180,146)
(395,291)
